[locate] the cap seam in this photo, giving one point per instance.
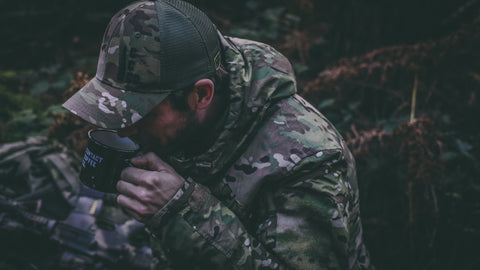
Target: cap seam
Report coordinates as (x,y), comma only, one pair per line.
(159,69)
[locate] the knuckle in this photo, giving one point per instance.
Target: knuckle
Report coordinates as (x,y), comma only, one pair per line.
(143,196)
(144,178)
(152,179)
(150,155)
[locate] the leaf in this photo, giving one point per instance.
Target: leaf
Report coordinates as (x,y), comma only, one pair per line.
(56,109)
(454,195)
(40,87)
(51,70)
(449,156)
(300,68)
(347,117)
(62,82)
(8,74)
(326,103)
(446,119)
(252,4)
(27,123)
(463,146)
(273,14)
(354,105)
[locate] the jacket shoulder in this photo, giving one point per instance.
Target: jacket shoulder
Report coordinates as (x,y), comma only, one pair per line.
(295,140)
(262,55)
(297,130)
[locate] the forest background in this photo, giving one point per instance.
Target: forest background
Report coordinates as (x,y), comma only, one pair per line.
(399,79)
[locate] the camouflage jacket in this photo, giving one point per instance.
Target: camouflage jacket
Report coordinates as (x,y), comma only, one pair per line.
(277,190)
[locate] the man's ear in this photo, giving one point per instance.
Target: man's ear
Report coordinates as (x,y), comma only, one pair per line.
(202,94)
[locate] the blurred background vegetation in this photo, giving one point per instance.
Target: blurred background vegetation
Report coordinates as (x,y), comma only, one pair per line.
(399,79)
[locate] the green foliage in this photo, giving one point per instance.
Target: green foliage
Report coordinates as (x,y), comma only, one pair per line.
(26,123)
(266,26)
(16,102)
(29,113)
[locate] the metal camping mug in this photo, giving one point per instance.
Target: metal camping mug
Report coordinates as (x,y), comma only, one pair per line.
(106,155)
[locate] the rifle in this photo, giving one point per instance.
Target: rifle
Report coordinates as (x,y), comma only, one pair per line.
(76,236)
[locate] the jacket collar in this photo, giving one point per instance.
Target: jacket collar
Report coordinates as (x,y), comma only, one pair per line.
(251,95)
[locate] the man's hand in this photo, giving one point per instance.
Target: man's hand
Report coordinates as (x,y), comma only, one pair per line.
(142,192)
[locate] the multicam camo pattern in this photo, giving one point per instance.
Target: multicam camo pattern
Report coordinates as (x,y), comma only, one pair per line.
(132,73)
(125,62)
(278,190)
(111,102)
(129,41)
(37,163)
(93,232)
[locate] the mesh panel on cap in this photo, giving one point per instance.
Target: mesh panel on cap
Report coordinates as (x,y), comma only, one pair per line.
(191,43)
(180,59)
(203,25)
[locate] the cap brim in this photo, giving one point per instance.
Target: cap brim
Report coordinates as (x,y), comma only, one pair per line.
(109,107)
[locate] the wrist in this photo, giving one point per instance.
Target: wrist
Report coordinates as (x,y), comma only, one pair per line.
(173,206)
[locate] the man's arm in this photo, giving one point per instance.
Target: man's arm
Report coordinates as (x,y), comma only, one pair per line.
(194,228)
(311,227)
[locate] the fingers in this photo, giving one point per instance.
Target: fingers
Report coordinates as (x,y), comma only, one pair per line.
(151,162)
(144,191)
(133,191)
(135,200)
(134,175)
(135,208)
(149,180)
(136,216)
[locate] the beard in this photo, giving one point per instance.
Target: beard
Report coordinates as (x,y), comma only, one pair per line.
(185,141)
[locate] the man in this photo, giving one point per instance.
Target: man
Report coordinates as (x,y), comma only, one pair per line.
(241,173)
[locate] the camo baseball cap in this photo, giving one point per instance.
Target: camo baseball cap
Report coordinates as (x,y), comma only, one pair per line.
(149,50)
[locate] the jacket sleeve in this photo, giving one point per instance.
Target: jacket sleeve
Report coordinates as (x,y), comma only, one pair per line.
(313,224)
(202,233)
